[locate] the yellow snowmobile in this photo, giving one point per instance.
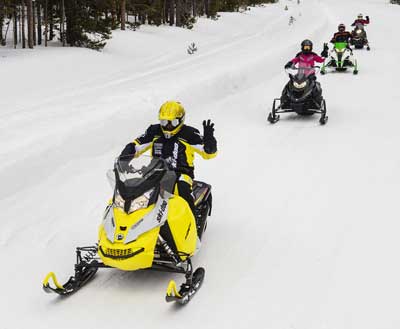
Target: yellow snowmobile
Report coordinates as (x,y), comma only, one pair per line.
(145,226)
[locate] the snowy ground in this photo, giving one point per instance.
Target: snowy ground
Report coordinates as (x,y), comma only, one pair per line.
(304,233)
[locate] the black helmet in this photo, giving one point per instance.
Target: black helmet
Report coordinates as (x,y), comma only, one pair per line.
(306,46)
(342,27)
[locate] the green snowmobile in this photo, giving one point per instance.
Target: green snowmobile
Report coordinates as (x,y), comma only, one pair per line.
(340,59)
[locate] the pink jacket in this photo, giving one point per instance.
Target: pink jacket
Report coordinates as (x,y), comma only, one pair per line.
(361,21)
(307,60)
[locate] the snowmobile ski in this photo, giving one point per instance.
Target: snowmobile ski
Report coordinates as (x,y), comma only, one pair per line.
(85,269)
(187,290)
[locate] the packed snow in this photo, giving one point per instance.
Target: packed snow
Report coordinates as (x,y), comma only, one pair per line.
(305,226)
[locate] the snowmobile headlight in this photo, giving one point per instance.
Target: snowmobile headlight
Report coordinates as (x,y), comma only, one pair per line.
(139,203)
(136,204)
(358,31)
(300,85)
(119,201)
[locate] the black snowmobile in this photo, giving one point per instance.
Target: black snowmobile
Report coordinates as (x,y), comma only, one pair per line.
(302,95)
(359,37)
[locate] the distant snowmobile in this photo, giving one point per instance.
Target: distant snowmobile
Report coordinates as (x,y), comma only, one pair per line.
(145,226)
(302,95)
(340,59)
(359,37)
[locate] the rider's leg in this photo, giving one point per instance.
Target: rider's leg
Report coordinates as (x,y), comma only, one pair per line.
(184,190)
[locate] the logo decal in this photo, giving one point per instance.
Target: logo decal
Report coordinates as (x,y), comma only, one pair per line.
(174,162)
(161,212)
(137,224)
(120,237)
(158,148)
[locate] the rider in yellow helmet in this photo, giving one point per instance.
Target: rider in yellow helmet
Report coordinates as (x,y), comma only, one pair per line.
(177,143)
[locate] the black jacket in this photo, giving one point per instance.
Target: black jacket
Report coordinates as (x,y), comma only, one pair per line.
(178,150)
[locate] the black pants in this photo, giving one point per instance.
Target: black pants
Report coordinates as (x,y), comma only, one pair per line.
(185,191)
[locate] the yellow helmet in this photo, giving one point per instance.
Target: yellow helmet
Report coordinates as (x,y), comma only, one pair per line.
(172,118)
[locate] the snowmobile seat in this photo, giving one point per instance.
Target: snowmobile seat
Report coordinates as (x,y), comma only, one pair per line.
(201,192)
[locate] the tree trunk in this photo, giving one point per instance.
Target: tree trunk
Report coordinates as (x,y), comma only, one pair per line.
(171,12)
(194,4)
(51,19)
(34,21)
(123,14)
(23,24)
(62,27)
(1,22)
(46,22)
(114,15)
(166,13)
(39,23)
(207,8)
(15,26)
(178,12)
(30,23)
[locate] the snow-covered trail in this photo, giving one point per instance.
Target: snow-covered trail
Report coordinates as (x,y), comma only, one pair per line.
(304,228)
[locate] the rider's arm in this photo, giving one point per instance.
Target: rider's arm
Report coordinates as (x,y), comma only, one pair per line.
(206,147)
(144,142)
(318,59)
(295,60)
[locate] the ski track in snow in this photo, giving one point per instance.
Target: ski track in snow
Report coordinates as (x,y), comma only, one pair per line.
(304,231)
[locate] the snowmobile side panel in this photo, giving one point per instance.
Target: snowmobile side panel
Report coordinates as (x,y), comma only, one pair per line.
(183,226)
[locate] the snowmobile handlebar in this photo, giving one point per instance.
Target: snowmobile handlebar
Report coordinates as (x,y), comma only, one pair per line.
(305,70)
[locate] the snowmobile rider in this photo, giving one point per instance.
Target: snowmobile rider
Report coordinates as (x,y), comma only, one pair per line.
(307,58)
(342,35)
(177,143)
(360,20)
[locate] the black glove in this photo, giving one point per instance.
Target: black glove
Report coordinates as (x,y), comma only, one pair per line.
(324,53)
(288,65)
(208,128)
(210,143)
(367,17)
(128,151)
(126,156)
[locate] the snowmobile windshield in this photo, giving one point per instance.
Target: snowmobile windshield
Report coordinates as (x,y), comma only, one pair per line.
(340,46)
(136,176)
(359,26)
(301,73)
